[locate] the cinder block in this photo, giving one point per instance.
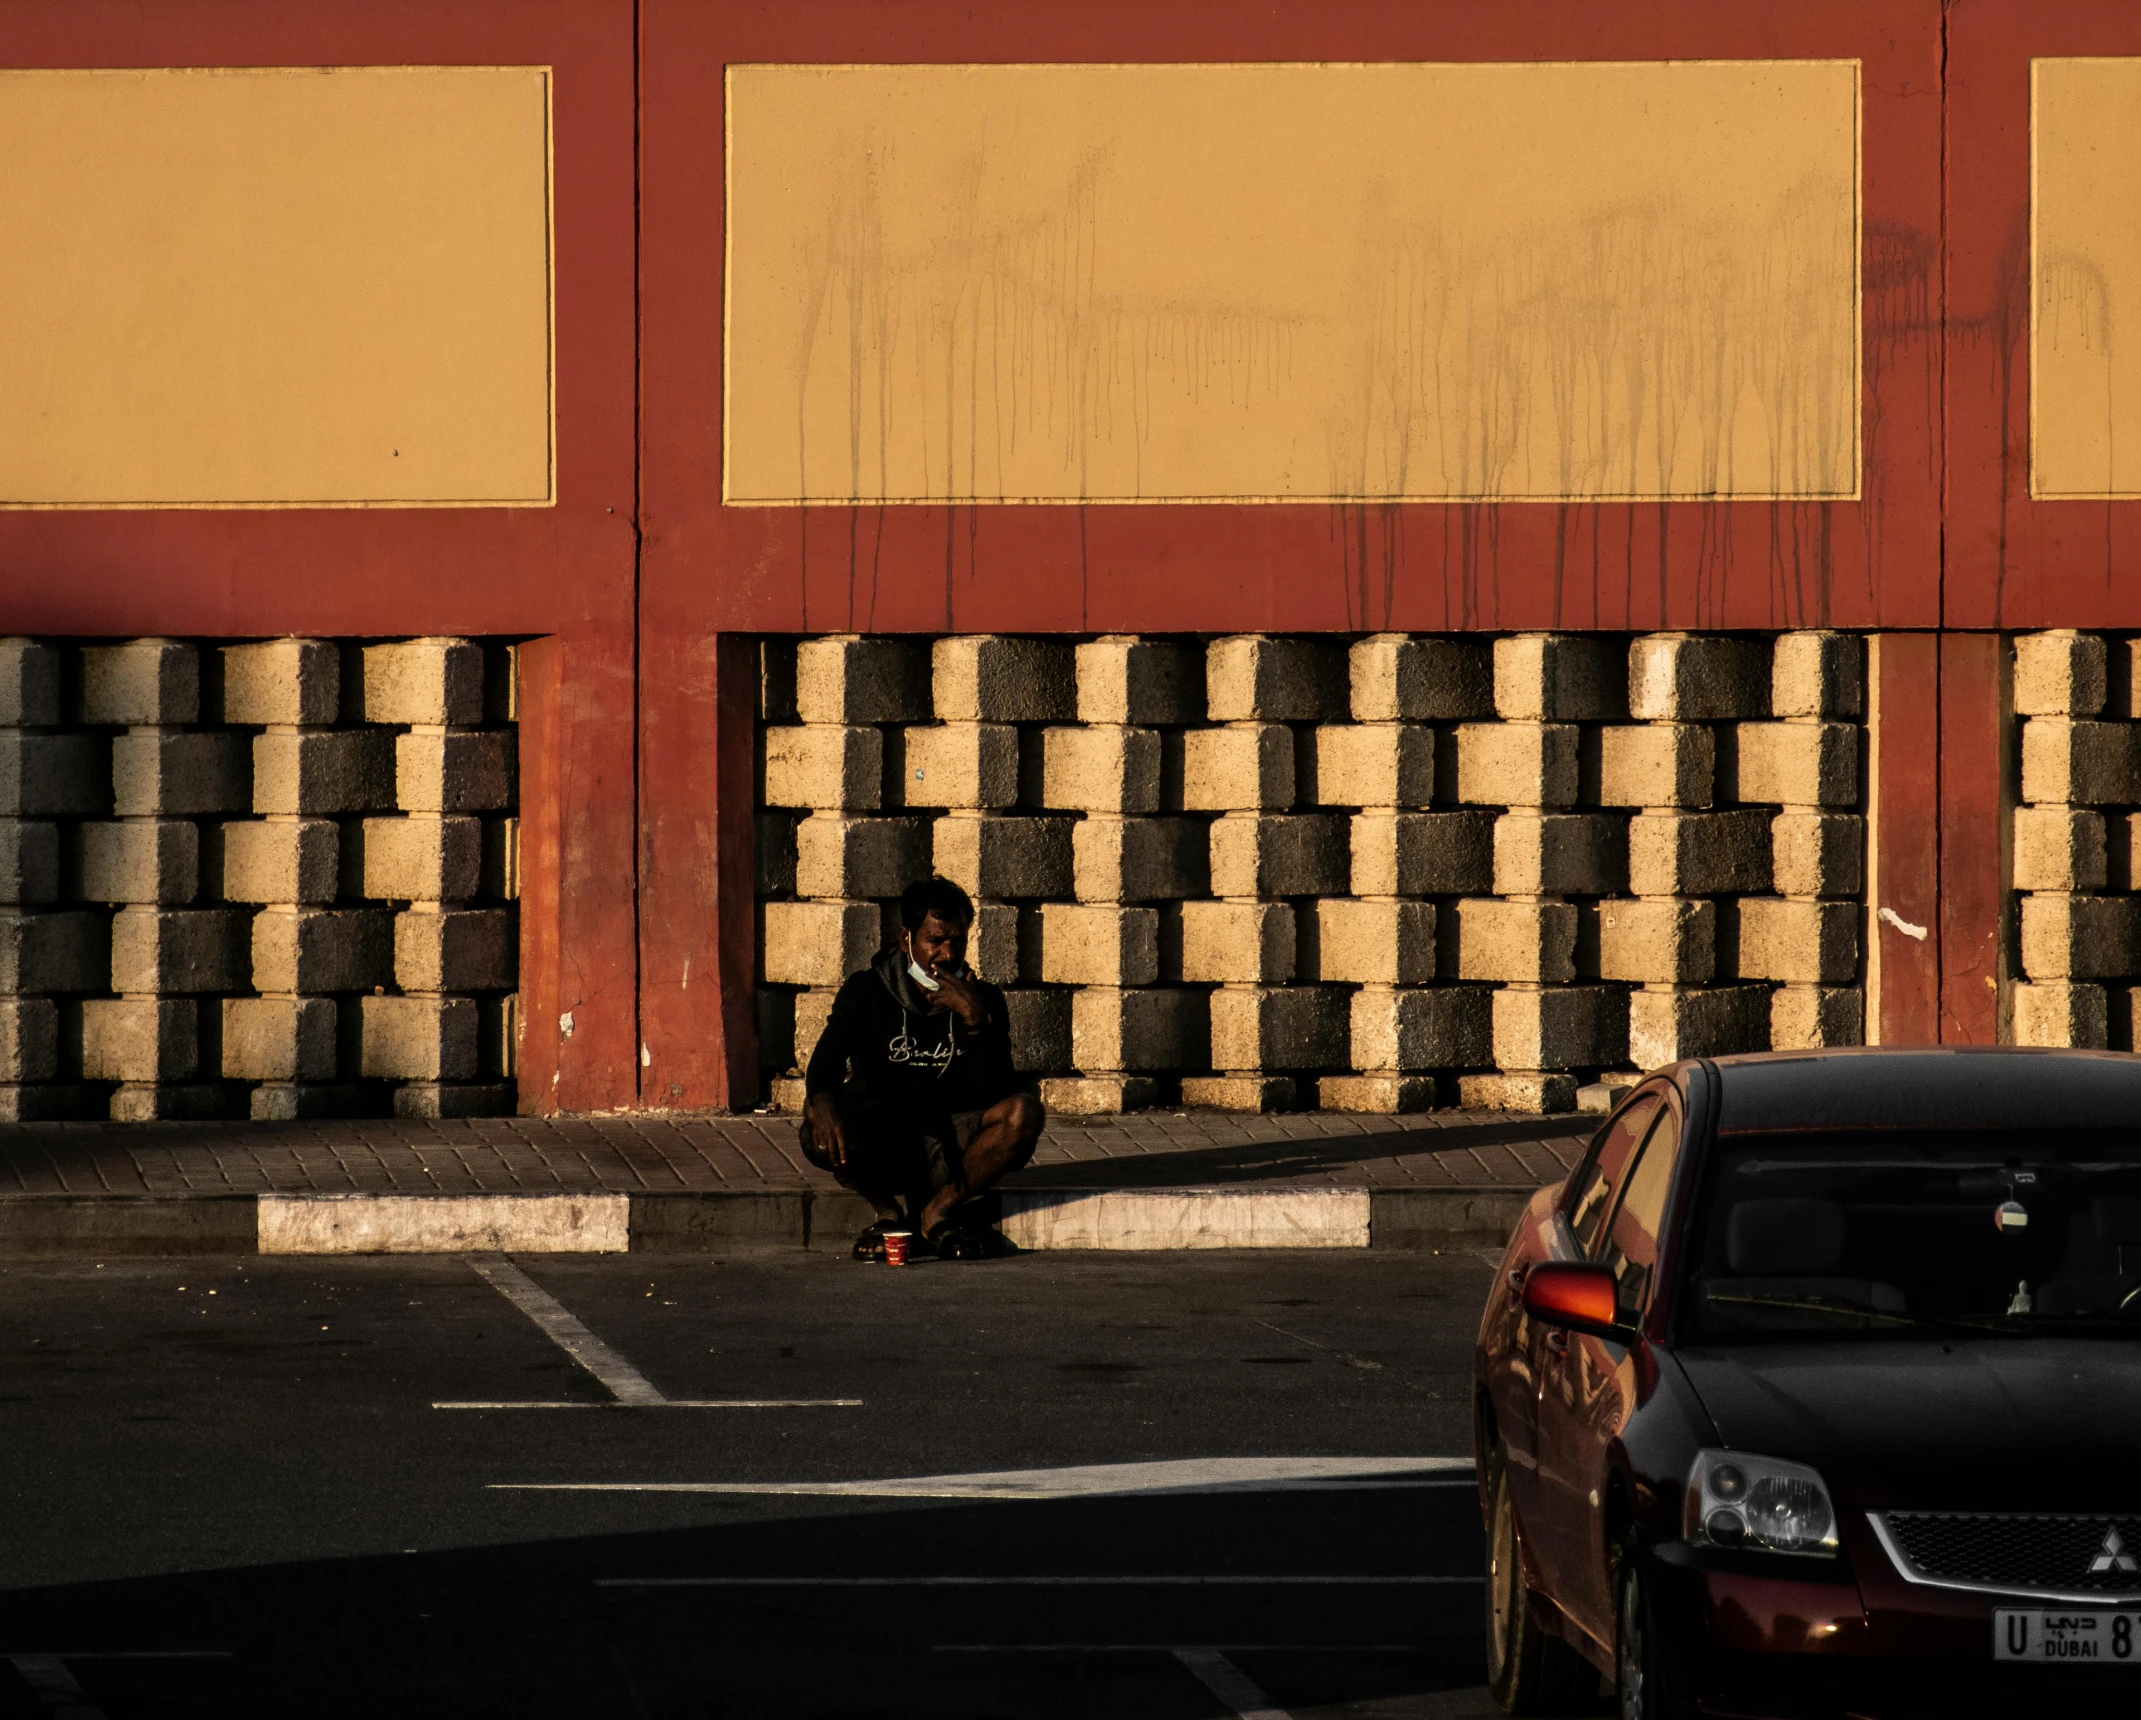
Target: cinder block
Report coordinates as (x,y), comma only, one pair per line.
(1296,854)
(283,681)
(498,1036)
(322,949)
(279,1038)
(305,772)
(2060,674)
(1698,853)
(1097,1095)
(1239,943)
(418,1038)
(1665,1026)
(141,681)
(1083,944)
(1040,1024)
(1532,943)
(1798,764)
(961,765)
(29,1039)
(1577,853)
(1817,853)
(1816,675)
(290,860)
(1375,1095)
(175,773)
(819,943)
(431,681)
(776,681)
(1103,769)
(1667,940)
(1809,943)
(455,949)
(1375,764)
(179,950)
(42,952)
(1657,764)
(140,1038)
(1400,679)
(500,874)
(1561,1027)
(29,862)
(774,1014)
(1370,942)
(138,860)
(1517,764)
(995,947)
(836,855)
(172,1102)
(2080,763)
(849,679)
(1694,678)
(1249,768)
(1422,853)
(825,766)
(454,770)
(1144,1031)
(2059,848)
(29,684)
(989,856)
(1255,678)
(1289,1028)
(773,853)
(1123,679)
(1813,1017)
(985,678)
(2061,1014)
(1559,678)
(1138,859)
(1250,1093)
(418,859)
(454,1099)
(54,775)
(1435,1027)
(1541,1091)
(2078,937)
(813,1009)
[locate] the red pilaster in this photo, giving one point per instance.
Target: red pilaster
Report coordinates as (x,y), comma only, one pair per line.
(1976,806)
(1903,852)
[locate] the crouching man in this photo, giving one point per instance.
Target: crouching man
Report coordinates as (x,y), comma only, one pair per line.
(910,1094)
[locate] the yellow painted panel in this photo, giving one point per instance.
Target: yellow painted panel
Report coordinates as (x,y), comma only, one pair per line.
(1292,282)
(275,287)
(2085,323)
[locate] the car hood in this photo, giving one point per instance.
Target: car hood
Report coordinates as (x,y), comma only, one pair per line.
(2018,1423)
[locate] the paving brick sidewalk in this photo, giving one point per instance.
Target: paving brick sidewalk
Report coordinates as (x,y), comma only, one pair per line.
(656,1155)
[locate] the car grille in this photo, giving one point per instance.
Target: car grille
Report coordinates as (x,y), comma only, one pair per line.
(2067,1555)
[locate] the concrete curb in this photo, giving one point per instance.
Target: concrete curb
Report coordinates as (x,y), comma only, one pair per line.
(1157,1220)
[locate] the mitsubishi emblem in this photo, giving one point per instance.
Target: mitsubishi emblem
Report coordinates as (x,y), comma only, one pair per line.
(2114,1557)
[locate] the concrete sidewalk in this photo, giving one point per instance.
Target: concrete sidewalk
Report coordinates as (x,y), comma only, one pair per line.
(701,1184)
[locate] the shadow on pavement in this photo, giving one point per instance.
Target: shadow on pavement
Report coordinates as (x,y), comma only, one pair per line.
(1260,1161)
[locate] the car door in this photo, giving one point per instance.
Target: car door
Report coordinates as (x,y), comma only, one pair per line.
(1536,1352)
(1590,1386)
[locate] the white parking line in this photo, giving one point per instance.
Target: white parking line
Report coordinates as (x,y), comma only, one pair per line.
(57,1690)
(1082,1480)
(1230,1684)
(1198,1580)
(627,1386)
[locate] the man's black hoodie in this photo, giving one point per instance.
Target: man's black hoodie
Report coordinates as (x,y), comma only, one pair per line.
(884,1038)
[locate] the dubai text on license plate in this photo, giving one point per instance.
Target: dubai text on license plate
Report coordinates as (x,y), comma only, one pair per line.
(2079,1634)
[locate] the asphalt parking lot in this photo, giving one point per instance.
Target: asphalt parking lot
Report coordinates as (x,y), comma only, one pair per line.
(666,1486)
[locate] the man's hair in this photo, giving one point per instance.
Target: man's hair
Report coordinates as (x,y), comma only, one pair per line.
(938,896)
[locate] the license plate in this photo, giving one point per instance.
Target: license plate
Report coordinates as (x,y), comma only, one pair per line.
(2078,1635)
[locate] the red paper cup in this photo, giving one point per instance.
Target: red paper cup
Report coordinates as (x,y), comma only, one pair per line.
(896,1245)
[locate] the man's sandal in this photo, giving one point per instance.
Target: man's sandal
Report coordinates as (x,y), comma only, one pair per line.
(970,1240)
(870,1245)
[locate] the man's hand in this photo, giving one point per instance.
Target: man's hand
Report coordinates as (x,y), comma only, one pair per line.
(824,1118)
(955,993)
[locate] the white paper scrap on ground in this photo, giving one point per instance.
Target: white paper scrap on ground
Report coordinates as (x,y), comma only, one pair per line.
(1187,1218)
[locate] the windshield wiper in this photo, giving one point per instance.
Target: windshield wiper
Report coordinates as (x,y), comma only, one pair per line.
(1855,1310)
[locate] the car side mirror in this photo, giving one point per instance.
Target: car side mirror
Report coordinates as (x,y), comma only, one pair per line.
(1578,1295)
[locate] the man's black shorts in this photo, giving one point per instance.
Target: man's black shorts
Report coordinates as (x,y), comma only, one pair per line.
(894,1148)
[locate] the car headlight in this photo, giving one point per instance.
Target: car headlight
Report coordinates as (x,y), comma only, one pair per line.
(1764,1504)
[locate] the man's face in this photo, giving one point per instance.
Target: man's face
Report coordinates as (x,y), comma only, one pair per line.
(937,943)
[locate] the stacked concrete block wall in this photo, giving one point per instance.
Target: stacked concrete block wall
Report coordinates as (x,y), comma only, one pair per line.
(1373,874)
(2073,839)
(201,908)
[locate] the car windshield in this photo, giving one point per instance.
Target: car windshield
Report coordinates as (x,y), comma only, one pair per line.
(1901,1233)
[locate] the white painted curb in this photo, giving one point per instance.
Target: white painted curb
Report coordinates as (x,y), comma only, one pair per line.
(1187,1218)
(444,1223)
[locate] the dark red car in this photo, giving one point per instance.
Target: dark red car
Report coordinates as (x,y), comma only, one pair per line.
(1816,1390)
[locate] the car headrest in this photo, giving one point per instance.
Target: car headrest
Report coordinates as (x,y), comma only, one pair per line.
(1790,1238)
(2118,1218)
